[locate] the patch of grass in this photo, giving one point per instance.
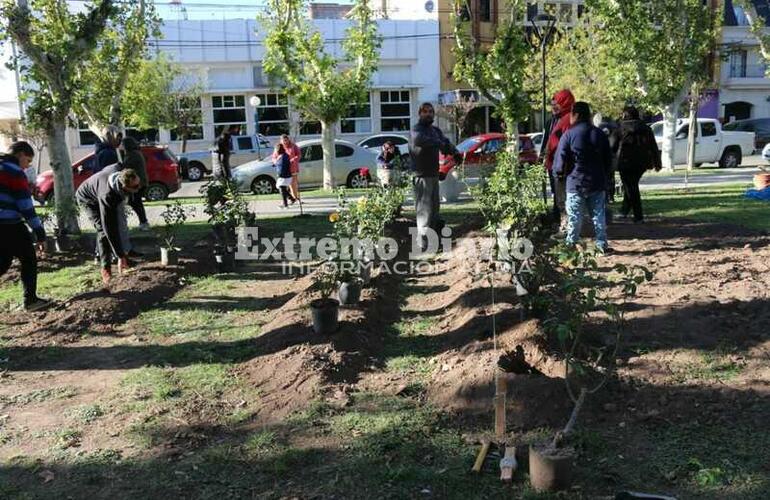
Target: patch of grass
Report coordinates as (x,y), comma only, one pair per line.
(259,443)
(152,382)
(711,367)
(723,204)
(409,364)
(86,413)
(60,284)
(307,194)
(68,438)
(39,396)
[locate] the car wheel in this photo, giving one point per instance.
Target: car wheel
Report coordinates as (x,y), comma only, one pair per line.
(156,192)
(195,171)
(731,158)
(357,180)
(263,185)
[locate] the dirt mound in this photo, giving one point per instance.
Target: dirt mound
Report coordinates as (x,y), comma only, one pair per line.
(96,312)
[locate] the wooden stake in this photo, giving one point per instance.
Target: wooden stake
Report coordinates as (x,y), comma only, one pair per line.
(481,456)
(508,464)
(501,387)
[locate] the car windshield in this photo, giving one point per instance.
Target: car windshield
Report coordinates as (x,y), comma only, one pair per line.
(657,129)
(171,156)
(467,145)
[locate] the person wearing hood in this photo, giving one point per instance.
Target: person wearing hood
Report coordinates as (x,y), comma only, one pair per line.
(425,143)
(107,148)
(102,197)
(17,217)
(584,160)
(133,159)
(636,151)
(561,107)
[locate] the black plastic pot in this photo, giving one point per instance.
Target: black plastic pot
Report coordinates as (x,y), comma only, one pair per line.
(349,292)
(325,316)
(225,261)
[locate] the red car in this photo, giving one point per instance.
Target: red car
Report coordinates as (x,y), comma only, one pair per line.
(481,150)
(162,175)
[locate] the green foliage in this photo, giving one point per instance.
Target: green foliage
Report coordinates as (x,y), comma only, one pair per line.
(498,71)
(664,44)
(322,86)
(101,80)
(161,94)
(174,216)
(226,208)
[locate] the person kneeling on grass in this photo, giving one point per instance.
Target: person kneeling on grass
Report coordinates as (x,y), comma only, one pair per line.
(584,159)
(17,211)
(102,196)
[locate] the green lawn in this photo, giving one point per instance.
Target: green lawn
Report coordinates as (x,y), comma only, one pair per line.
(725,204)
(309,193)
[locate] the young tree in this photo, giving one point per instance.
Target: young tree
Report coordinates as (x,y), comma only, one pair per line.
(321,86)
(102,78)
(54,42)
(161,94)
(664,44)
(457,111)
(496,70)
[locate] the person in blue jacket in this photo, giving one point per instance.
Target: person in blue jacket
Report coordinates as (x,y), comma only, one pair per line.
(584,160)
(107,148)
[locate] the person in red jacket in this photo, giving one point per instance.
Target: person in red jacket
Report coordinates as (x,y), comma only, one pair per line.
(561,105)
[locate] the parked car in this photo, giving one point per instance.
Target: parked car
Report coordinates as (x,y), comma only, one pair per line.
(375,142)
(713,145)
(760,127)
(196,164)
(354,167)
(766,152)
(162,175)
(480,152)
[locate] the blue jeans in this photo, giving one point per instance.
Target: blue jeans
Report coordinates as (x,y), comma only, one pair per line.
(596,203)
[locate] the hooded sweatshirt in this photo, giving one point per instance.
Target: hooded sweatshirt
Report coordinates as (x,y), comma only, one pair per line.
(134,159)
(565,100)
(635,146)
(101,194)
(105,155)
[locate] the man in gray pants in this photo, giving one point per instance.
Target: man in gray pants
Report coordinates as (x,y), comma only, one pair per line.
(426,142)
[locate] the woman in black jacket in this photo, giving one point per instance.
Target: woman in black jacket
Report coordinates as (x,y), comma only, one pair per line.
(635,151)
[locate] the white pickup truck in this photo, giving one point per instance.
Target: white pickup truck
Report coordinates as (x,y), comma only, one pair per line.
(243,148)
(712,144)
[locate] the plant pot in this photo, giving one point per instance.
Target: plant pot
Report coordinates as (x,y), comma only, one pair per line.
(325,316)
(62,243)
(550,469)
(169,256)
(225,261)
(365,271)
(50,245)
(349,292)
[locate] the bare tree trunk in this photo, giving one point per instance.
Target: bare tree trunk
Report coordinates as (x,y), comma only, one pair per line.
(63,186)
(512,135)
(691,142)
(184,143)
(327,143)
(670,113)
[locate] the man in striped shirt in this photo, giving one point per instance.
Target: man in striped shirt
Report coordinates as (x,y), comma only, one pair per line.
(17,217)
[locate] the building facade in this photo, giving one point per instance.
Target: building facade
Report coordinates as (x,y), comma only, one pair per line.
(226,56)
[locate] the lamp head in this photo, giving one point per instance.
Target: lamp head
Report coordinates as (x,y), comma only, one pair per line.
(255,101)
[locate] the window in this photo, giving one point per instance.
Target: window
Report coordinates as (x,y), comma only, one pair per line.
(311,153)
(708,129)
(738,64)
(485,11)
(189,111)
(229,110)
(396,110)
(358,120)
(311,127)
(273,114)
(342,151)
(374,142)
(85,136)
(245,143)
(684,132)
(492,146)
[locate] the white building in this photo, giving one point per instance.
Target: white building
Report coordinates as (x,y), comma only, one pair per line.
(744,89)
(227,56)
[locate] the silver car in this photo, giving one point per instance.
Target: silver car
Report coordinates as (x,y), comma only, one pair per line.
(259,176)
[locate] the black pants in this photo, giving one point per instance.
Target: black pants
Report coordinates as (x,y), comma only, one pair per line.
(17,243)
(135,201)
(103,247)
(287,197)
(552,181)
(632,198)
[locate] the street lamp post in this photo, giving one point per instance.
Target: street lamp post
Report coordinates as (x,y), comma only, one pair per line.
(255,102)
(543,27)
